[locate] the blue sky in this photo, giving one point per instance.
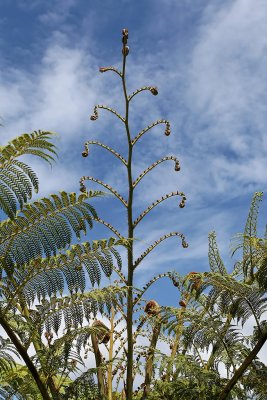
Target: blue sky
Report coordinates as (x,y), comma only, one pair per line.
(208,60)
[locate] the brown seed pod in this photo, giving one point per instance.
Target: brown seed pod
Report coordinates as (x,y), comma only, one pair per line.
(152,308)
(82,189)
(103,69)
(93,118)
(85,153)
(103,334)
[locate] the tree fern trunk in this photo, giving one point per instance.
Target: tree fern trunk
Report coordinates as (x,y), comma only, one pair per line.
(22,351)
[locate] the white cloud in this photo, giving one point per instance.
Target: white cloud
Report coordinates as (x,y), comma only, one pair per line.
(227,81)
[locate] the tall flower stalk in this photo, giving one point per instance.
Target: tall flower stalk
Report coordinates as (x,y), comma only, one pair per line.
(128,203)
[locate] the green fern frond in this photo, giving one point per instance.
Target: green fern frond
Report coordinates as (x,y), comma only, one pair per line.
(246,241)
(83,388)
(50,277)
(6,360)
(17,180)
(44,227)
(215,261)
(251,223)
(26,143)
(75,308)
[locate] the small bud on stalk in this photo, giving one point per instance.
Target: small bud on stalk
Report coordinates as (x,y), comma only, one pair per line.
(154,90)
(177,166)
(125,50)
(168,129)
(184,244)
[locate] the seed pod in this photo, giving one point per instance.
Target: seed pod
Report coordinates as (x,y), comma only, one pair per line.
(152,308)
(85,153)
(184,244)
(182,204)
(82,189)
(103,69)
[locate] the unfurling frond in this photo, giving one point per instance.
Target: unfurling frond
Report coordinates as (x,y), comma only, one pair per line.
(251,224)
(44,227)
(17,180)
(246,241)
(216,263)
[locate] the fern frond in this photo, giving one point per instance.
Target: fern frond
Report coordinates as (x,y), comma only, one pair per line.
(16,178)
(246,240)
(26,143)
(44,227)
(75,308)
(50,277)
(6,360)
(83,387)
(216,263)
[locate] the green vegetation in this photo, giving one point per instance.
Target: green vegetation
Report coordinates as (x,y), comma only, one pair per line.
(52,321)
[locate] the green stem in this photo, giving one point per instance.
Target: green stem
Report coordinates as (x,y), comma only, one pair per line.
(129,375)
